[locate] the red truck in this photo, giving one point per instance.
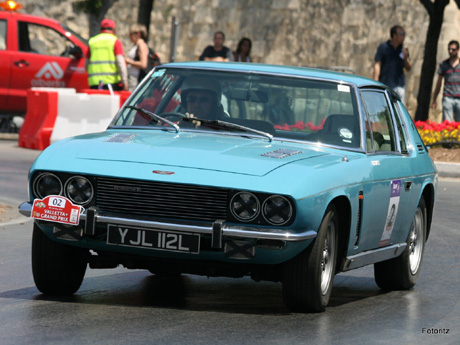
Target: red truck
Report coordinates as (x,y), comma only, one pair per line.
(36,52)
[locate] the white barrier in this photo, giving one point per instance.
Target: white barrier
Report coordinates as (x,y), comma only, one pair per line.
(81,113)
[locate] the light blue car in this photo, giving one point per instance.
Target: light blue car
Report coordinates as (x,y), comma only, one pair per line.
(280,173)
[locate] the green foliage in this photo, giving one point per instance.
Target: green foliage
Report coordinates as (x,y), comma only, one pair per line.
(169,10)
(90,6)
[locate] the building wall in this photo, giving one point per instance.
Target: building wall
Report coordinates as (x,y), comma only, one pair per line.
(343,34)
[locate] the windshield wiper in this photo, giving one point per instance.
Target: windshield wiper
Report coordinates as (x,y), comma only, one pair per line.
(226,124)
(155,117)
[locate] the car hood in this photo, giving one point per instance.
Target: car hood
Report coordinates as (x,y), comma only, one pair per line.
(165,150)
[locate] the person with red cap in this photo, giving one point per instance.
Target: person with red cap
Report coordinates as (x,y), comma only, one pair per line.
(106,62)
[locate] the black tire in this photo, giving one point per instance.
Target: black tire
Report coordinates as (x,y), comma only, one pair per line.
(401,273)
(7,125)
(57,269)
(308,278)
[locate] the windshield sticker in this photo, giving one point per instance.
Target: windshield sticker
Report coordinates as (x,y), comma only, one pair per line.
(158,73)
(345,133)
(343,88)
(281,153)
(55,208)
(120,138)
(392,212)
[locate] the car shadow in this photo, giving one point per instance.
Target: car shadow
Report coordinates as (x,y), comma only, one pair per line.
(350,289)
(195,293)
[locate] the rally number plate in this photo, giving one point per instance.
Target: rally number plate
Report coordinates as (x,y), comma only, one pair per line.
(153,239)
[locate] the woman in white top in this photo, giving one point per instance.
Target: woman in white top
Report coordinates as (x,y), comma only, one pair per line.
(137,55)
(243,50)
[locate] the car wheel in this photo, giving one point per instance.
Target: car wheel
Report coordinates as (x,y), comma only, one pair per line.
(308,278)
(57,269)
(401,273)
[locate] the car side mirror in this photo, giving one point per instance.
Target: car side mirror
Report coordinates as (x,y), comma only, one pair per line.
(76,52)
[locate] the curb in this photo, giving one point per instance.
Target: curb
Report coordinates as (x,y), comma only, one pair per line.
(448,169)
(9,136)
(9,214)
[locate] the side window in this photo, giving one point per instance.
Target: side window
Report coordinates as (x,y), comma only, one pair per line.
(401,131)
(2,34)
(380,129)
(40,39)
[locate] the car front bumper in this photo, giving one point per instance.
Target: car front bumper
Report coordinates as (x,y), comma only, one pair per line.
(217,229)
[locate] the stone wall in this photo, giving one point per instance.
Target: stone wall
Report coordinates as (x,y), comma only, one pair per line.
(343,34)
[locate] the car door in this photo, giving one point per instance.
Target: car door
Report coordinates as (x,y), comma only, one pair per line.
(43,60)
(387,195)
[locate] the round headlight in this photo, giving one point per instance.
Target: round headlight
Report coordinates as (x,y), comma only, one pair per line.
(79,190)
(47,184)
(245,206)
(277,210)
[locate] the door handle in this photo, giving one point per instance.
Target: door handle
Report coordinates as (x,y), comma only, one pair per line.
(21,63)
(407,185)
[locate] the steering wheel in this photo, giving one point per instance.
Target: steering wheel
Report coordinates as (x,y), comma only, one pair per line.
(66,51)
(172,116)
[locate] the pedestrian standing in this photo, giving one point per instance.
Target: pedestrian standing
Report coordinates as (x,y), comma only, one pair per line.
(449,70)
(138,55)
(217,52)
(243,50)
(391,59)
(105,60)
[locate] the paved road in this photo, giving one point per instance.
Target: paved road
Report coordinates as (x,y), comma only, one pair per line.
(14,164)
(131,306)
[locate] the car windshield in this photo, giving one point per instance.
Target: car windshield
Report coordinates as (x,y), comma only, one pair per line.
(273,107)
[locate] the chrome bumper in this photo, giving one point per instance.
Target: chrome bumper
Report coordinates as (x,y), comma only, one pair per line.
(217,229)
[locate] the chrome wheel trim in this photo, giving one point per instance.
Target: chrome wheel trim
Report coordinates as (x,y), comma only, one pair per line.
(327,258)
(416,242)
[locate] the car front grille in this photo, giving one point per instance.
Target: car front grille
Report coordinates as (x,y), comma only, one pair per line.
(159,199)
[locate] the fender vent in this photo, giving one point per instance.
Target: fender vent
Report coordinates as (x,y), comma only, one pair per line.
(360,218)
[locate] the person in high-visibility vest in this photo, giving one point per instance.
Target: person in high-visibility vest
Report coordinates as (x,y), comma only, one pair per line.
(106,62)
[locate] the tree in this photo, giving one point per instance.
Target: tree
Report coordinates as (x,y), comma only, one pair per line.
(97,9)
(435,11)
(144,14)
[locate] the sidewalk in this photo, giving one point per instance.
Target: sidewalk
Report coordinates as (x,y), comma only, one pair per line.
(9,214)
(451,170)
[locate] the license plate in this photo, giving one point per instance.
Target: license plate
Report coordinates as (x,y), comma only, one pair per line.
(153,239)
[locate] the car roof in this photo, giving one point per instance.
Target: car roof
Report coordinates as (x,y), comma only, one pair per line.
(5,14)
(297,71)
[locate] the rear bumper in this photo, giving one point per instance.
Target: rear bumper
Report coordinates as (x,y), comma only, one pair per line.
(218,229)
